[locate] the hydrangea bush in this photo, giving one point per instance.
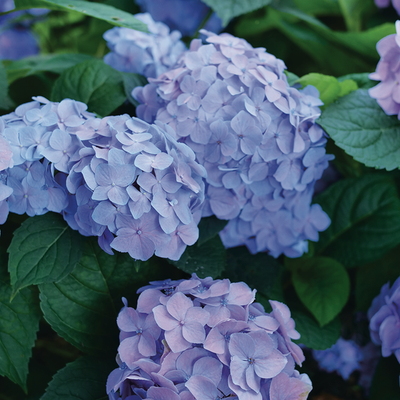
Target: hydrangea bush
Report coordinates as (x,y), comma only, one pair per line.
(191,145)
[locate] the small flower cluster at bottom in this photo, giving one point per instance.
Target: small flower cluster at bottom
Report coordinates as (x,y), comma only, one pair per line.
(206,339)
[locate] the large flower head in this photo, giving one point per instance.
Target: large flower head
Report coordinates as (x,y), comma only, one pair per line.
(255,135)
(174,347)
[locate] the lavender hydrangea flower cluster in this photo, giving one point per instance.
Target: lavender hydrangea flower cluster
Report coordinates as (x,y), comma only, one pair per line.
(118,178)
(148,54)
(206,339)
(386,3)
(255,135)
(384,315)
(16,39)
(183,15)
(387,92)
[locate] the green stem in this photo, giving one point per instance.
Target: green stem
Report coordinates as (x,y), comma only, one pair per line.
(203,23)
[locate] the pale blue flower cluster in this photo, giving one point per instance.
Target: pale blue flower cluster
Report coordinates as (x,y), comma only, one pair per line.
(16,39)
(149,54)
(119,178)
(254,134)
(205,339)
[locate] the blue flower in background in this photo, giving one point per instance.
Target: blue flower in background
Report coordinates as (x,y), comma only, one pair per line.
(16,39)
(185,16)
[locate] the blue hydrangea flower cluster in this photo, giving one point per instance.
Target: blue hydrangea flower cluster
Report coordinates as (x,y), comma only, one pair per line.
(346,356)
(205,339)
(148,54)
(255,135)
(387,92)
(384,315)
(119,178)
(183,15)
(16,39)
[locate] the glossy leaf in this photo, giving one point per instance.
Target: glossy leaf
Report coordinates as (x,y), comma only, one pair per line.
(365,215)
(83,307)
(361,128)
(312,335)
(228,9)
(323,286)
(208,259)
(209,228)
(19,322)
(43,249)
(105,12)
(131,81)
(83,379)
(94,83)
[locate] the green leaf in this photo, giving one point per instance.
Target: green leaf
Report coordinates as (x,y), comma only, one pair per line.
(56,63)
(323,286)
(209,228)
(361,128)
(131,81)
(5,102)
(83,307)
(320,7)
(19,322)
(94,83)
(83,379)
(353,11)
(372,276)
(260,271)
(44,249)
(312,335)
(365,215)
(208,259)
(228,9)
(291,77)
(385,384)
(97,10)
(362,80)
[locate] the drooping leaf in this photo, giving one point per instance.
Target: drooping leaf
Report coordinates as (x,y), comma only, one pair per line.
(385,384)
(259,271)
(43,249)
(353,11)
(97,10)
(94,83)
(56,63)
(372,276)
(228,9)
(83,307)
(361,128)
(312,335)
(365,215)
(208,259)
(83,379)
(19,322)
(5,101)
(210,227)
(320,7)
(323,286)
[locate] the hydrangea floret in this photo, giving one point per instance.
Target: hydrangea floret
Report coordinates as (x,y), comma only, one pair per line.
(119,178)
(384,318)
(149,54)
(254,134)
(205,339)
(387,92)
